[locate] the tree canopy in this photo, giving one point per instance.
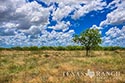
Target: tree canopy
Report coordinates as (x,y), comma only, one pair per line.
(90,39)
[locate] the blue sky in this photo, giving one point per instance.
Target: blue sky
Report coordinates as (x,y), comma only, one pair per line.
(54,22)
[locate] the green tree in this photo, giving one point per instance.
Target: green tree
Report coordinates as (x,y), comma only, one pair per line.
(90,39)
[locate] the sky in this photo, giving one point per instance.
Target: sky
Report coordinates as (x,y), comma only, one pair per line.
(55,22)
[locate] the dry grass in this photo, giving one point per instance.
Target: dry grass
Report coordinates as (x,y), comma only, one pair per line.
(49,66)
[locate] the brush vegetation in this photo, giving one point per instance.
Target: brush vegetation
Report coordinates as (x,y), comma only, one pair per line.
(59,48)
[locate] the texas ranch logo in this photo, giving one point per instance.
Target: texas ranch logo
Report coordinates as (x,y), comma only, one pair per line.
(93,74)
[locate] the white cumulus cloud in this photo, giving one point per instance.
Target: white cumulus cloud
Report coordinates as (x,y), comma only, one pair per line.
(61,26)
(22,15)
(24,23)
(93,5)
(114,37)
(117,16)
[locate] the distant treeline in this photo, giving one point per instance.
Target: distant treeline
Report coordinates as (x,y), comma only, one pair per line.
(59,48)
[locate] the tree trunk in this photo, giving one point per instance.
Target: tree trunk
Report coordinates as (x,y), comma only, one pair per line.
(87,52)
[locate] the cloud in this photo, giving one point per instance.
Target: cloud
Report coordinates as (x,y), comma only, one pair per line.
(61,12)
(7,32)
(114,37)
(58,38)
(113,4)
(22,15)
(10,25)
(94,5)
(33,30)
(61,26)
(95,27)
(7,9)
(79,7)
(24,23)
(46,39)
(66,2)
(117,16)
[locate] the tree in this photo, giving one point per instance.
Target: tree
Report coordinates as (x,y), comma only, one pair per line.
(90,39)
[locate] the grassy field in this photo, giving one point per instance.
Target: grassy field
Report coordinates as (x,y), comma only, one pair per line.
(61,67)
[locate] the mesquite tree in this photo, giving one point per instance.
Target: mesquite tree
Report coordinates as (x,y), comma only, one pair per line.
(90,39)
